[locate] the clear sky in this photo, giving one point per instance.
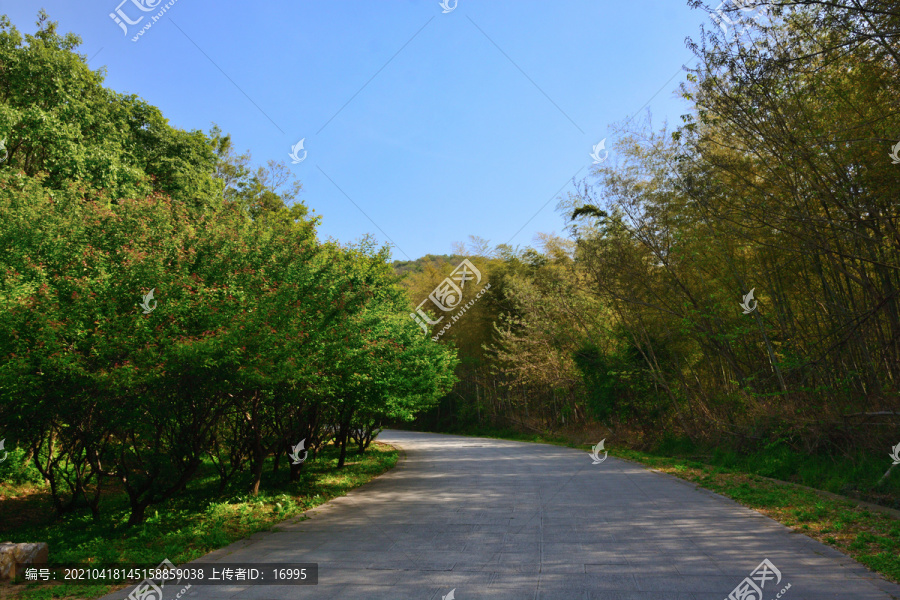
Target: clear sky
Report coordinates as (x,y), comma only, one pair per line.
(436,125)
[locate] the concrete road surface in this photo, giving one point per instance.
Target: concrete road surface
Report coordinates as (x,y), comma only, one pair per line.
(473,518)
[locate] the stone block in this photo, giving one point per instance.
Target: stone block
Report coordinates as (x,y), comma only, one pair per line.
(28,554)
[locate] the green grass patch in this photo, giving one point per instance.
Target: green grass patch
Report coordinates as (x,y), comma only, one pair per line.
(856,475)
(183,529)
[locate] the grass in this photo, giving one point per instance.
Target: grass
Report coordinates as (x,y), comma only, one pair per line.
(855,475)
(871,538)
(183,529)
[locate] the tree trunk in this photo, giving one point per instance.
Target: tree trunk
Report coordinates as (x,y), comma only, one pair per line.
(295,470)
(344,435)
(137,512)
(94,502)
(258,459)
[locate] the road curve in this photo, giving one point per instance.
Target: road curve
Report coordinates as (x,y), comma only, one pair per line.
(499,520)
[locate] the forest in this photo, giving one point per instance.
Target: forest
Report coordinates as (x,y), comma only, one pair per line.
(730,282)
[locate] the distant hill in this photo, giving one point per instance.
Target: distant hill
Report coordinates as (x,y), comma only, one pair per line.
(406,267)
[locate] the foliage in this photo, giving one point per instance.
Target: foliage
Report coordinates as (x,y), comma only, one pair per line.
(163,303)
(184,528)
(779,181)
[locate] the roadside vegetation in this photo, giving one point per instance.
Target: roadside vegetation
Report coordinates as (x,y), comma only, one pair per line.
(728,286)
(166,307)
(183,362)
(202,519)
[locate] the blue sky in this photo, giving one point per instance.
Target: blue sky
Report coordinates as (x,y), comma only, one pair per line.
(437,126)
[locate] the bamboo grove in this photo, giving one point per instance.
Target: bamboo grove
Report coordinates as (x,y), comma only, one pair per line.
(780,181)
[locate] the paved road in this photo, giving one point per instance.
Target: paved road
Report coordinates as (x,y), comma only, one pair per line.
(501,520)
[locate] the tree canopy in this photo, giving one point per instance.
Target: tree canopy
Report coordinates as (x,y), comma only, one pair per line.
(779,181)
(163,302)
